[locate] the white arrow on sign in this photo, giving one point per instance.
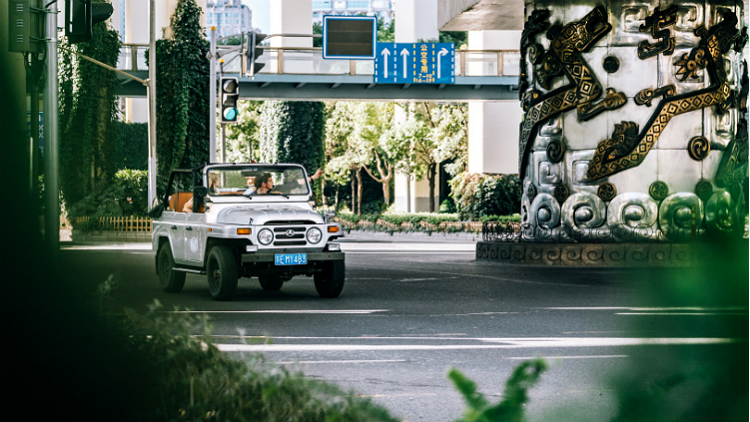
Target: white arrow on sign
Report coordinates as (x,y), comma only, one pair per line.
(405,54)
(441,53)
(385,55)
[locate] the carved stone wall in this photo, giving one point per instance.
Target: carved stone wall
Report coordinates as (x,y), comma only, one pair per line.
(634,122)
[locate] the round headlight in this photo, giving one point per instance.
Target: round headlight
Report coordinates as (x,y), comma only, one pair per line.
(265,236)
(314,235)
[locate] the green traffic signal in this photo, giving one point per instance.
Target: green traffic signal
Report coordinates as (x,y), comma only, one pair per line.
(230,93)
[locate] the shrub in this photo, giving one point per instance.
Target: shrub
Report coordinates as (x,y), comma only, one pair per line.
(125,196)
(478,195)
(199,382)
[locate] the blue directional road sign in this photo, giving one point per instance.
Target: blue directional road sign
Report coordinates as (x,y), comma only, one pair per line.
(415,63)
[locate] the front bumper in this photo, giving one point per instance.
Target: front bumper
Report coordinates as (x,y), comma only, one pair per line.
(311,257)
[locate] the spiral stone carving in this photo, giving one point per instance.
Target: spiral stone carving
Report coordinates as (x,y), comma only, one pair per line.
(698,148)
(632,217)
(582,213)
(720,216)
(607,191)
(610,64)
(658,190)
(680,215)
(561,193)
(529,189)
(545,216)
(555,151)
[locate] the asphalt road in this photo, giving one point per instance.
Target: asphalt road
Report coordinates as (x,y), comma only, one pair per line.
(412,310)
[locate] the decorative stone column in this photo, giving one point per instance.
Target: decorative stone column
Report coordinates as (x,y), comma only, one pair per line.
(634,126)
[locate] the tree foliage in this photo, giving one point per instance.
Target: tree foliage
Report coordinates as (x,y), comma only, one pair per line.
(131,145)
(87,108)
(292,132)
(243,138)
(182,93)
(433,134)
(359,136)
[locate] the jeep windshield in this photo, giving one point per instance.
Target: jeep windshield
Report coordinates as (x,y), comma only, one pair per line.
(257,180)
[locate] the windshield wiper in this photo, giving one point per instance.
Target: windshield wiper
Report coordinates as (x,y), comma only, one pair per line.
(278,193)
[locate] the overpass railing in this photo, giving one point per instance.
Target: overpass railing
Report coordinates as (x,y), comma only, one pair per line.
(309,61)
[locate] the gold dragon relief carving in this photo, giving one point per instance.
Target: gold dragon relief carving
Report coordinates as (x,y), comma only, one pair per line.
(567,44)
(624,150)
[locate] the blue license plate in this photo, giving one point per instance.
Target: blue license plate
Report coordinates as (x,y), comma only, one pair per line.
(290,259)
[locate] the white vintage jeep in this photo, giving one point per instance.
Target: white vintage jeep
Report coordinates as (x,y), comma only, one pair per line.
(213,220)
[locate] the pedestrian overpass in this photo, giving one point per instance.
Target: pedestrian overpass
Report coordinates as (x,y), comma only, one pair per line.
(294,73)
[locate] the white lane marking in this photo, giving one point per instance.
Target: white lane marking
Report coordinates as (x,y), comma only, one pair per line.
(566,357)
(647,309)
(370,396)
(290,311)
(509,343)
(416,279)
(683,313)
(135,246)
(341,361)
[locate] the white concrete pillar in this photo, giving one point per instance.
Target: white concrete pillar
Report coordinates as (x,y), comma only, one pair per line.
(292,17)
(416,20)
(494,126)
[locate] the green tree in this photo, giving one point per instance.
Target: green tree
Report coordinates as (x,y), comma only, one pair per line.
(243,138)
(292,132)
(88,106)
(182,93)
(359,137)
(430,135)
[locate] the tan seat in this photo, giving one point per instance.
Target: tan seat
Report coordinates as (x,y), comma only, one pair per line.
(178,200)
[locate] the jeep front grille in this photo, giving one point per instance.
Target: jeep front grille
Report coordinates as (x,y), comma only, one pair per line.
(289,236)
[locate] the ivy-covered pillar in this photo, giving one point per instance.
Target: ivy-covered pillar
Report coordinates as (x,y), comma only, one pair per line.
(634,121)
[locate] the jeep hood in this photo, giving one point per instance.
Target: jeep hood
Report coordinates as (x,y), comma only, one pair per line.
(260,216)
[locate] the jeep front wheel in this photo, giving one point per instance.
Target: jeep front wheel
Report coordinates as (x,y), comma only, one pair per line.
(330,282)
(221,270)
(271,283)
(171,281)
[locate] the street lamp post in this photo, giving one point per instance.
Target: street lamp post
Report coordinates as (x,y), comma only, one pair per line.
(152,164)
(51,148)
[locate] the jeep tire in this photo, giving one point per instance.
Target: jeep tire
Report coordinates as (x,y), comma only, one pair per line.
(330,281)
(271,283)
(171,281)
(221,271)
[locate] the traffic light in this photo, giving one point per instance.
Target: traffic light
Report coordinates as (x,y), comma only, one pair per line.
(80,17)
(26,24)
(253,52)
(230,93)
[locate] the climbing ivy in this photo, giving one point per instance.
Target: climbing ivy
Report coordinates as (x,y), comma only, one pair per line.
(87,108)
(293,132)
(182,86)
(131,145)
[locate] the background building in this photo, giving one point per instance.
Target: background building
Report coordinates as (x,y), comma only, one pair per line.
(229,17)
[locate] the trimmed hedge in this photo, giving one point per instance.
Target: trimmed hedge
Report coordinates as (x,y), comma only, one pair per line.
(480,195)
(421,222)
